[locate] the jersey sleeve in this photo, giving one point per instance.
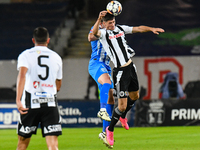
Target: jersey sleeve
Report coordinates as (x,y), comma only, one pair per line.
(91,30)
(103,33)
(60,70)
(22,61)
(127,29)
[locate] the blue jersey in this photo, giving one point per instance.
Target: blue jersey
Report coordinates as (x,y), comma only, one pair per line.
(98,52)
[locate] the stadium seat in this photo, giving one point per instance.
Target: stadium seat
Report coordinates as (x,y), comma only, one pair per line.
(19,21)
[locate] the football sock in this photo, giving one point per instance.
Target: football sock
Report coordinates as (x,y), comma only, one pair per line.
(130,104)
(109,108)
(115,117)
(104,94)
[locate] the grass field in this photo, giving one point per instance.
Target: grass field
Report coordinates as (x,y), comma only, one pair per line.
(143,138)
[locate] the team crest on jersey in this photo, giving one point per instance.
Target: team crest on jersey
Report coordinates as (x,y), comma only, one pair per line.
(38,51)
(36,84)
(103,70)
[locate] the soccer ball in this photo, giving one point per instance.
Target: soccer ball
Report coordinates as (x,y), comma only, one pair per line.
(114,8)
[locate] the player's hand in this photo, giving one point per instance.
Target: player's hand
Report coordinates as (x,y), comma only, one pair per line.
(21,109)
(102,14)
(157,30)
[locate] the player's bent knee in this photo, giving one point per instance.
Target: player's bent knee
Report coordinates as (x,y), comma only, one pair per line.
(122,108)
(134,95)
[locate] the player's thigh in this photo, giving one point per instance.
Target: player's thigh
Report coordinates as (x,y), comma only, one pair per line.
(104,78)
(52,141)
(121,81)
(97,69)
(28,123)
(111,97)
(51,122)
(23,142)
(134,84)
(93,68)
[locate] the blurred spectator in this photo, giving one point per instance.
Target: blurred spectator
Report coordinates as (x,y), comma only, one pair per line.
(171,87)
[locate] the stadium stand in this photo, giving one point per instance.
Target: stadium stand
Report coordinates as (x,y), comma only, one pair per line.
(18,20)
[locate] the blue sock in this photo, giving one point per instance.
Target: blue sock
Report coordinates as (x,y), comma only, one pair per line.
(104,94)
(109,108)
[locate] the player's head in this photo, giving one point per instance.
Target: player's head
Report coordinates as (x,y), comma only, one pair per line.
(40,36)
(101,24)
(109,21)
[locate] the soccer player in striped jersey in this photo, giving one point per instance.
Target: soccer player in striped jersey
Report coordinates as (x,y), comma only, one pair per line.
(39,79)
(124,72)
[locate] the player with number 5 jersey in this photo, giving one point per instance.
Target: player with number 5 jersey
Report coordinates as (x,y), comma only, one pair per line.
(44,66)
(39,79)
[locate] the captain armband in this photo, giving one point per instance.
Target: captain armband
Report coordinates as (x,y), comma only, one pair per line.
(96,36)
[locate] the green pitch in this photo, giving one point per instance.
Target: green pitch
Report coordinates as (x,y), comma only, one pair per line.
(144,138)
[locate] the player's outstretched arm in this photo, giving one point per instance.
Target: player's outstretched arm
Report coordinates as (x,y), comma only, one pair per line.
(142,29)
(96,31)
(20,87)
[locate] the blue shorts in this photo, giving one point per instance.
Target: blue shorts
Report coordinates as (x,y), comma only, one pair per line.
(96,69)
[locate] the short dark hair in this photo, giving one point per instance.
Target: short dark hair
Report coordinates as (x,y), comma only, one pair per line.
(107,17)
(40,34)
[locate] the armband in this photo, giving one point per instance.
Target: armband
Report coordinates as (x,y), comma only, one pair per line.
(96,36)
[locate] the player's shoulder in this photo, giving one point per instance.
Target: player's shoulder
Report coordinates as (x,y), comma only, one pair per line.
(122,26)
(55,54)
(103,30)
(26,52)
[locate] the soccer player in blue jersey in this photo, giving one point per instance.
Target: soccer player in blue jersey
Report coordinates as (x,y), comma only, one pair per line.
(100,70)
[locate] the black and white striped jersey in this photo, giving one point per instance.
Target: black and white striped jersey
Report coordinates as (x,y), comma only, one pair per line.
(115,44)
(44,67)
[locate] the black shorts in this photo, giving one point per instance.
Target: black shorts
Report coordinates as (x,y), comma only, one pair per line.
(48,117)
(125,80)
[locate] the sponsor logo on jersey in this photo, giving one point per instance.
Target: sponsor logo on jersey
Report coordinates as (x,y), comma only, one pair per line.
(126,93)
(52,128)
(43,94)
(46,85)
(116,36)
(27,130)
(42,100)
(38,51)
(36,84)
(122,93)
(103,70)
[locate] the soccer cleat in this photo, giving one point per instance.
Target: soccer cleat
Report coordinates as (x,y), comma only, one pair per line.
(103,115)
(102,136)
(109,137)
(124,123)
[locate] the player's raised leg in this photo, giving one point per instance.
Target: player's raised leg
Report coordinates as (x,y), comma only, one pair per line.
(105,82)
(133,96)
(123,119)
(118,111)
(109,108)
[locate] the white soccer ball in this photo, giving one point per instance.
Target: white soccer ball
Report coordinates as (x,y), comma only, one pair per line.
(114,8)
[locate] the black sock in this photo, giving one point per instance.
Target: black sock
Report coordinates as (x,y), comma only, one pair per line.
(130,103)
(115,117)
